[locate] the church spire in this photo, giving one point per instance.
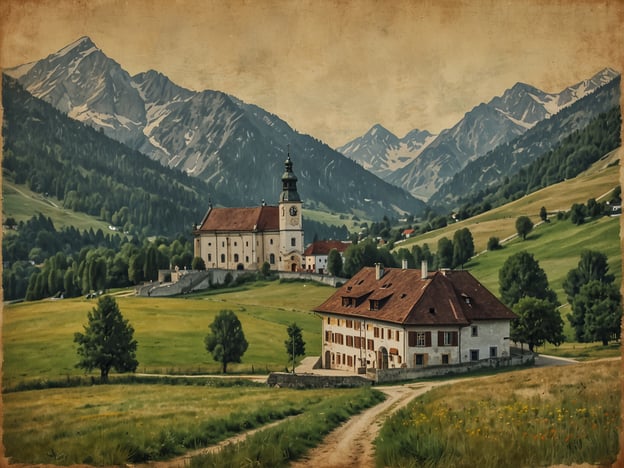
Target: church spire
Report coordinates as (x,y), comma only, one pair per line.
(289,183)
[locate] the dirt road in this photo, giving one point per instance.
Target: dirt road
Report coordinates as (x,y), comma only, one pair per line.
(351,445)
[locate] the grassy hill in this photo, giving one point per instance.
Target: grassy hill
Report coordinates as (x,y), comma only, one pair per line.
(38,336)
(597,182)
(21,203)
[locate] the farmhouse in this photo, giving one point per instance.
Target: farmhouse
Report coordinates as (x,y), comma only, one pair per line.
(245,238)
(316,254)
(387,318)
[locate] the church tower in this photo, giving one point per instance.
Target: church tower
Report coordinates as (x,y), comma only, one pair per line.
(290,222)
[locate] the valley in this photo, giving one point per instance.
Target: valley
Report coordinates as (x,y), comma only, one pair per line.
(107,177)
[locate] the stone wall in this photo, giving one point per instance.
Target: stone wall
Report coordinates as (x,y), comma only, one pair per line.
(281,379)
(325,279)
(190,280)
(395,375)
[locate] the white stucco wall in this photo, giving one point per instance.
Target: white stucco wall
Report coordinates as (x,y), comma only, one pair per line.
(489,334)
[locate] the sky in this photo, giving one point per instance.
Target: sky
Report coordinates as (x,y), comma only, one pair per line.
(334,68)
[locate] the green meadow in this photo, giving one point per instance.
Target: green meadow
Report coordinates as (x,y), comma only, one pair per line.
(38,336)
(120,424)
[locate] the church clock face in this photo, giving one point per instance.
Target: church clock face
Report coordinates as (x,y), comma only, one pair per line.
(293,211)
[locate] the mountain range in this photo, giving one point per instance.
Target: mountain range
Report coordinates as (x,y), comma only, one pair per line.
(383,153)
(425,168)
(237,148)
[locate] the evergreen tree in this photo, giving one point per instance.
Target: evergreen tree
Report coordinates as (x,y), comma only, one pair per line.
(334,262)
(107,342)
(463,247)
(577,213)
(445,253)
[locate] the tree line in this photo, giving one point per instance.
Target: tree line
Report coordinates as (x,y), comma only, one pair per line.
(42,261)
(450,254)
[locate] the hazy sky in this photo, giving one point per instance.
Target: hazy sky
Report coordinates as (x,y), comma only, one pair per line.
(334,68)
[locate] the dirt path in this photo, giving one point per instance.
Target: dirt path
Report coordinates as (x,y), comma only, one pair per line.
(184,460)
(351,445)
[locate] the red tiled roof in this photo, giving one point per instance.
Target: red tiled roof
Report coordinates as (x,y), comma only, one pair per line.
(260,218)
(324,247)
(441,299)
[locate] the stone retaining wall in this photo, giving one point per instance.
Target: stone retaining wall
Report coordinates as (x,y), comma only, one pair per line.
(395,375)
(281,379)
(325,279)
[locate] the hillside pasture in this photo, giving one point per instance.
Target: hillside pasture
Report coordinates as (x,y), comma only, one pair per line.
(20,203)
(598,181)
(557,246)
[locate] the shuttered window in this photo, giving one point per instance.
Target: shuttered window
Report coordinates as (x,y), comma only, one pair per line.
(447,338)
(419,339)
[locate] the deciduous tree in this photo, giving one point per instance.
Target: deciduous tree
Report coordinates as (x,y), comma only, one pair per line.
(521,276)
(538,321)
(592,265)
(108,341)
(295,346)
(226,340)
(596,312)
(198,263)
(524,225)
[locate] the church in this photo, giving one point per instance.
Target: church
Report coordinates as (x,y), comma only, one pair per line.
(245,238)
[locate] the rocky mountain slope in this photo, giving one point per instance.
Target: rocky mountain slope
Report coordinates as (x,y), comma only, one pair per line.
(383,153)
(488,126)
(236,147)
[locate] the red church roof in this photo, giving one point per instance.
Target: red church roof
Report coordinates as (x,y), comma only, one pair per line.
(261,218)
(402,296)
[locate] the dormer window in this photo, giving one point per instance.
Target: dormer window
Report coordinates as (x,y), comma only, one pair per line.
(374,304)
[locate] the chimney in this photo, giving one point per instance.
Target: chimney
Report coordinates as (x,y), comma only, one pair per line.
(423,270)
(379,271)
(404,264)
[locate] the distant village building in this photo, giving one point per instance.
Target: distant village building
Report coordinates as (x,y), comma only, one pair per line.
(407,318)
(245,238)
(316,254)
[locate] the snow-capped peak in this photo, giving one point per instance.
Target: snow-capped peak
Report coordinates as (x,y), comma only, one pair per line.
(83,44)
